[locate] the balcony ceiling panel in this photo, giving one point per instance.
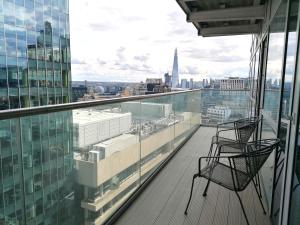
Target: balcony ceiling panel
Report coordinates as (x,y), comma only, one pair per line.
(224,17)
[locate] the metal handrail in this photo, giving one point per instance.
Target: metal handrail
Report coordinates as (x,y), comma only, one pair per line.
(16,113)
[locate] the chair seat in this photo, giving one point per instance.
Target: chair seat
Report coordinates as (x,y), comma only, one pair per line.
(220,173)
(218,139)
(232,147)
(228,143)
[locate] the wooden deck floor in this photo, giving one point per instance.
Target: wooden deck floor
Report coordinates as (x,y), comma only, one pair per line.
(164,200)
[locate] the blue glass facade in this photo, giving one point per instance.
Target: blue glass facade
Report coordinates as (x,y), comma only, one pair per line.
(34,53)
(35,152)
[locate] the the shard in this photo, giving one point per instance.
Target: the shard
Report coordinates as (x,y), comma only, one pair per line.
(175,78)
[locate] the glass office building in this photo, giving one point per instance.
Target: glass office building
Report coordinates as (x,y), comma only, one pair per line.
(36,152)
(34,53)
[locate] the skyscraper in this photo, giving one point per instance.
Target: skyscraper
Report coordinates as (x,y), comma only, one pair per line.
(184,83)
(175,78)
(34,53)
(35,151)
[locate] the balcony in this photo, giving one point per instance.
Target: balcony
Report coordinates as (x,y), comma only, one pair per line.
(92,158)
(164,200)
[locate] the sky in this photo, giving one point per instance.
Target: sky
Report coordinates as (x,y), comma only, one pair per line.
(135,39)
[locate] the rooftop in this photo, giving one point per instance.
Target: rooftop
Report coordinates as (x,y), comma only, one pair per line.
(83,117)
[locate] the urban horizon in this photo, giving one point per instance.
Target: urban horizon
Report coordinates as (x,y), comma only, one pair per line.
(123,54)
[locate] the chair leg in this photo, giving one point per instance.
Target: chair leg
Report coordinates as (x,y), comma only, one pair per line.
(210,150)
(243,209)
(259,186)
(205,190)
(191,193)
(261,203)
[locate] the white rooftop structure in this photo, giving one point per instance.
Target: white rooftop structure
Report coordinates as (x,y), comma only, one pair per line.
(147,109)
(84,117)
(92,127)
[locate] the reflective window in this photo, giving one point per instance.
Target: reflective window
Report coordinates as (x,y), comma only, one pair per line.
(295,198)
(288,77)
(294,217)
(27,46)
(21,43)
(271,101)
(3,72)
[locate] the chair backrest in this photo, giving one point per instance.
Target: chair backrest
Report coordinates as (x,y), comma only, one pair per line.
(246,166)
(244,128)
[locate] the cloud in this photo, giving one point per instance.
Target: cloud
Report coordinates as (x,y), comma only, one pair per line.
(134,19)
(213,55)
(180,31)
(142,58)
(101,62)
(77,61)
(101,26)
(191,70)
(120,54)
(112,40)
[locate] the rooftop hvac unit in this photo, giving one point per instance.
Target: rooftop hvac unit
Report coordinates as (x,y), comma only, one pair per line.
(94,156)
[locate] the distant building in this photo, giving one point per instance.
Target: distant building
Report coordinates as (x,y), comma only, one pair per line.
(191,84)
(140,89)
(149,109)
(216,84)
(78,93)
(205,83)
(175,77)
(218,114)
(197,84)
(276,83)
(155,85)
(184,83)
(168,80)
(232,83)
(128,91)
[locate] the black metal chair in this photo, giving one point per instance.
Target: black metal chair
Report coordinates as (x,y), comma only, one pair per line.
(237,171)
(243,130)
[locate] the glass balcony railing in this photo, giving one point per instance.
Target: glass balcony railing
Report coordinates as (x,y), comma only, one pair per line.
(78,163)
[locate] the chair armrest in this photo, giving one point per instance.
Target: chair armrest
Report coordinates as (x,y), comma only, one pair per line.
(225,130)
(224,123)
(240,146)
(210,157)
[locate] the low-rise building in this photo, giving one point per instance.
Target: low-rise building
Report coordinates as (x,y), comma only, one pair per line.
(218,114)
(232,83)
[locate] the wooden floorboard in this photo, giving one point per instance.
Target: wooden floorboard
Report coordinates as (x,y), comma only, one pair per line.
(261,218)
(222,208)
(235,212)
(164,200)
(173,211)
(209,205)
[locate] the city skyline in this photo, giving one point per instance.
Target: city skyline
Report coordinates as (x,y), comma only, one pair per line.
(114,50)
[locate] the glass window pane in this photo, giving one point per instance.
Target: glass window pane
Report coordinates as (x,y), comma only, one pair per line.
(272,92)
